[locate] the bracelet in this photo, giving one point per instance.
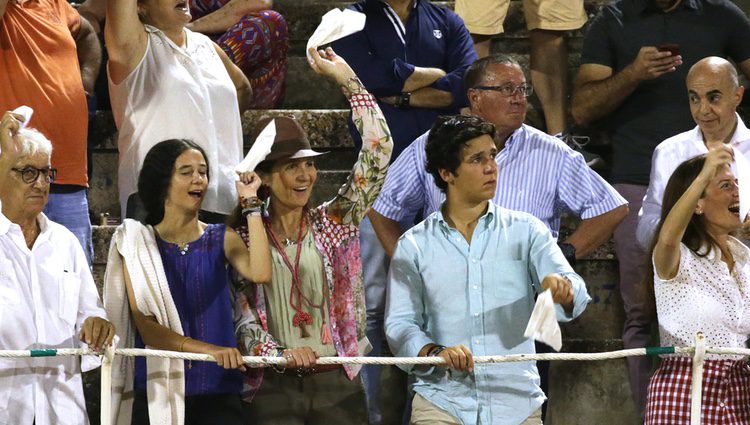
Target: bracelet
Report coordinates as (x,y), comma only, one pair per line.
(353,86)
(435,350)
(253,211)
(182,343)
(251,202)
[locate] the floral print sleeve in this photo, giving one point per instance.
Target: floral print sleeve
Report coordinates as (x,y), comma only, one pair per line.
(250,324)
(358,194)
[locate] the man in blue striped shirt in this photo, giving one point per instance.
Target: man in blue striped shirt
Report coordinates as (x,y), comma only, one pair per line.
(538,174)
(462,283)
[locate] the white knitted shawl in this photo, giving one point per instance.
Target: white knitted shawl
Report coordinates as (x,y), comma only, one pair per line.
(135,244)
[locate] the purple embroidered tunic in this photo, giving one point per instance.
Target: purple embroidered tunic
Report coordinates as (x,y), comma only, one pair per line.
(199,284)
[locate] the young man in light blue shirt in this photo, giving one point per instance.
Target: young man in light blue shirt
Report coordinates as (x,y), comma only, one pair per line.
(463,282)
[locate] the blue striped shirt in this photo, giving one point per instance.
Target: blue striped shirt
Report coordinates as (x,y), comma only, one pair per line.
(537,174)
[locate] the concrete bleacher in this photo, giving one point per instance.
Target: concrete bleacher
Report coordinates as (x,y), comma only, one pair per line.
(581,393)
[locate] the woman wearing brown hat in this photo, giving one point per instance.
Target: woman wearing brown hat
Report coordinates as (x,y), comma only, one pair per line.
(314,305)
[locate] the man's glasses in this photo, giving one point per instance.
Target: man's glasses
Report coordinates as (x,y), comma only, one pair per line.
(508,90)
(31,174)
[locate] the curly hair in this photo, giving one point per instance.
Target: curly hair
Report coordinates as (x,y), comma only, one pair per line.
(447,137)
(156,175)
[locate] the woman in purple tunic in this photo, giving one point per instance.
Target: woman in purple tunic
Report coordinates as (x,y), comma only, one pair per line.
(196,259)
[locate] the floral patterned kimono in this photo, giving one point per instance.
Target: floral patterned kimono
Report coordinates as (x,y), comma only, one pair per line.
(336,233)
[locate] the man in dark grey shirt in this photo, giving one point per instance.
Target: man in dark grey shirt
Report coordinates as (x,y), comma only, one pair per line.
(635,58)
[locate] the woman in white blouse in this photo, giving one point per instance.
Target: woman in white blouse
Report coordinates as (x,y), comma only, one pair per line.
(167,82)
(701,283)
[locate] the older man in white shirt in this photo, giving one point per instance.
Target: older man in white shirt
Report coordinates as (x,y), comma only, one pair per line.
(47,294)
(714,94)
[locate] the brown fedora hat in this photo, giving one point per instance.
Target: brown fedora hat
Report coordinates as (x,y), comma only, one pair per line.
(291,141)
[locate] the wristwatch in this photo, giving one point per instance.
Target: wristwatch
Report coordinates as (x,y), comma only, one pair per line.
(569,251)
(403,100)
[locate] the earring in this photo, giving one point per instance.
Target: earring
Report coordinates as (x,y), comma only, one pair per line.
(699,212)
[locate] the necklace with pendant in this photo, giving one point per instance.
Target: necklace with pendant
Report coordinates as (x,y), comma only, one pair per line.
(183,248)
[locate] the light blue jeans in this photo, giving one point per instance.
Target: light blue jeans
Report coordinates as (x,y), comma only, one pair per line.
(385,386)
(70,207)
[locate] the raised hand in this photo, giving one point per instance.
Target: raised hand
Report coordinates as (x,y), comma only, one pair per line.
(328,63)
(248,184)
(10,124)
(716,158)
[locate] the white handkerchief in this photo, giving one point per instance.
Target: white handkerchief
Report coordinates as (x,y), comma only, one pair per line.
(543,324)
(334,25)
(26,112)
(260,150)
(741,168)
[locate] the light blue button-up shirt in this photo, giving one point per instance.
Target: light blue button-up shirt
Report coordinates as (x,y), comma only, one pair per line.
(446,291)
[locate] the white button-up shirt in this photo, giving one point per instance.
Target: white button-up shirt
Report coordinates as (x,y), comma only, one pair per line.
(46,293)
(668,155)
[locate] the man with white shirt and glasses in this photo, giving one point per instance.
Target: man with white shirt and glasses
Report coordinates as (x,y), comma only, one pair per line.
(714,94)
(539,174)
(463,283)
(48,299)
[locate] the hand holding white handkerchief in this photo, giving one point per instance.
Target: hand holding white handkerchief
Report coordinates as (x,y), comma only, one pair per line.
(335,24)
(10,124)
(260,149)
(543,324)
(26,112)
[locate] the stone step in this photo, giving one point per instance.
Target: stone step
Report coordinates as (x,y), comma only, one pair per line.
(304,17)
(327,130)
(307,90)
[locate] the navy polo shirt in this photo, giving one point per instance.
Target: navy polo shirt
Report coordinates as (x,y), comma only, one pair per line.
(385,53)
(659,108)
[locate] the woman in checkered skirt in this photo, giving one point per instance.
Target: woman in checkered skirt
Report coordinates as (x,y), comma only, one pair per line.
(702,283)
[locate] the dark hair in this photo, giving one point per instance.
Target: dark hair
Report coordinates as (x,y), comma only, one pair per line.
(696,238)
(477,71)
(447,137)
(156,175)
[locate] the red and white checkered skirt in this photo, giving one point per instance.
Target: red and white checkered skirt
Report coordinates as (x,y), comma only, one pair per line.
(726,393)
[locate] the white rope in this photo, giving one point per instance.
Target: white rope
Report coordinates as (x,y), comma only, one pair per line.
(281,361)
(46,352)
(697,383)
(698,352)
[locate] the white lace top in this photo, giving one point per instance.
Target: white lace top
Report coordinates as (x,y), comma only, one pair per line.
(705,296)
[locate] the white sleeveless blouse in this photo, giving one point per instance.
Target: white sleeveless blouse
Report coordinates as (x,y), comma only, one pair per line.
(177,93)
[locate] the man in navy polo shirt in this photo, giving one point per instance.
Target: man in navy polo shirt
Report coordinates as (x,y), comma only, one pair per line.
(411,56)
(635,58)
